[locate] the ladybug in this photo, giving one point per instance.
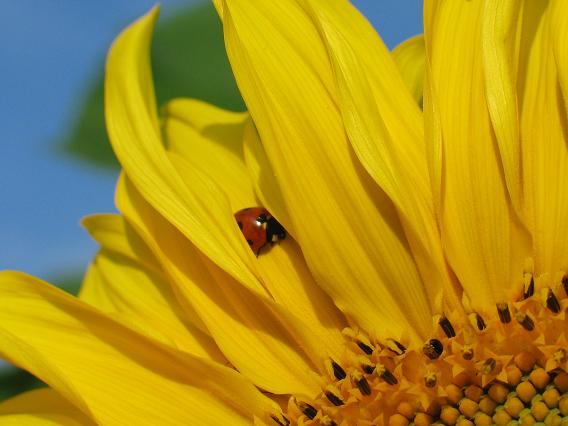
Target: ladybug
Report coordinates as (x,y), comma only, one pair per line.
(259,227)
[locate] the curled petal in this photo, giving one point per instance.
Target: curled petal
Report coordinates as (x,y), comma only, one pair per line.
(543,128)
(484,239)
(244,325)
(193,203)
(110,372)
(347,227)
(200,135)
(410,57)
(41,407)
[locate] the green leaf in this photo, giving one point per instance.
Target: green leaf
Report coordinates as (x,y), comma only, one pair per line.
(14,381)
(69,282)
(189,60)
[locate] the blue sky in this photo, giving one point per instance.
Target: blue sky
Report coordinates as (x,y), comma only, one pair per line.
(50,52)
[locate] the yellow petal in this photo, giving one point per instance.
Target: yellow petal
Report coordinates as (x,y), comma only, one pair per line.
(410,57)
(530,22)
(559,28)
(433,136)
(144,300)
(99,288)
(432,118)
(291,282)
(203,136)
(347,228)
(545,154)
(293,286)
(42,407)
(113,233)
(111,373)
(390,147)
(484,241)
(210,139)
(244,326)
(499,38)
(196,206)
(259,422)
(265,184)
(93,291)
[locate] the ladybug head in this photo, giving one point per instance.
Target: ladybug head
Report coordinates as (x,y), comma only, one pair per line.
(274,231)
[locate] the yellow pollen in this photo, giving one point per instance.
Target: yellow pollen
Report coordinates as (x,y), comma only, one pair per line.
(508,367)
(327,421)
(488,366)
(430,380)
(467,352)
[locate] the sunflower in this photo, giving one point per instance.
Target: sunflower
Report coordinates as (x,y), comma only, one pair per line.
(424,278)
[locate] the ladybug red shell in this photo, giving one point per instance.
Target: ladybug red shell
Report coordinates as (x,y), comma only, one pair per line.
(259,227)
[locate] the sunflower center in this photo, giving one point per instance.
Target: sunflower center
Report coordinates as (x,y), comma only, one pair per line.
(505,366)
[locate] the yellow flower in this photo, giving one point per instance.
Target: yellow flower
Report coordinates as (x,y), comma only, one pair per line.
(425,277)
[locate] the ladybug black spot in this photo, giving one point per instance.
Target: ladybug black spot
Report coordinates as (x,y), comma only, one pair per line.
(274,231)
(259,228)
